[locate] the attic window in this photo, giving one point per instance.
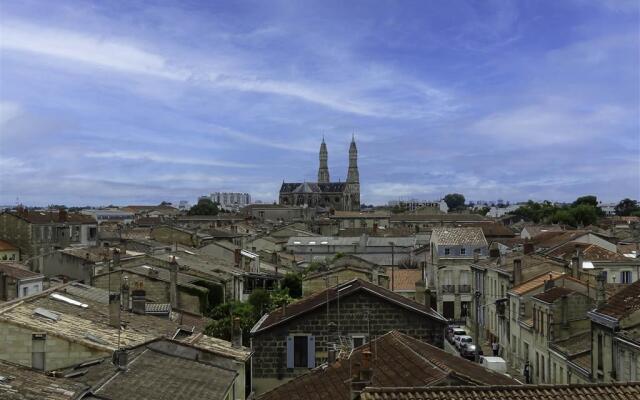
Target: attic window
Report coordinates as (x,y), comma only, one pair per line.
(59,297)
(42,312)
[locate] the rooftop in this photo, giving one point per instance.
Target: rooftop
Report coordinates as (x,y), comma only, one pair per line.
(4,246)
(451,217)
(623,303)
(47,217)
(398,360)
(319,299)
(536,282)
(600,391)
(458,236)
(219,346)
(590,252)
(20,383)
(553,294)
(405,279)
(18,271)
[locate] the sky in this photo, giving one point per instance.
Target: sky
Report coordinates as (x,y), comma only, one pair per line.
(140,102)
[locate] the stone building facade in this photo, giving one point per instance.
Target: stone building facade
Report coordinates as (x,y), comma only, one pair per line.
(342,196)
(362,312)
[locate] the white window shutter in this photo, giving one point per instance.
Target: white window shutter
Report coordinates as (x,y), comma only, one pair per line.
(290,351)
(311,352)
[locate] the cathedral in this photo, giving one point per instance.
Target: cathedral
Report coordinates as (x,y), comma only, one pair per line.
(341,196)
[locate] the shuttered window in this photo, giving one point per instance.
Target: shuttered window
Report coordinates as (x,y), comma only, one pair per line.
(301,351)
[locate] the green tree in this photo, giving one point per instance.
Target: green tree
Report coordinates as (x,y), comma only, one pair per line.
(292,282)
(626,207)
(260,300)
(584,214)
(588,200)
(222,324)
(204,207)
(455,201)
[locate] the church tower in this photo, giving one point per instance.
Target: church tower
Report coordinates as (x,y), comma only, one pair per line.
(353,176)
(353,179)
(323,171)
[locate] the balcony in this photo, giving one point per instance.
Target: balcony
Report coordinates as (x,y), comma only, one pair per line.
(448,289)
(464,288)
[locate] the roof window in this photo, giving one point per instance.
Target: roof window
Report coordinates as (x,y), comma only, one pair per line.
(68,300)
(43,312)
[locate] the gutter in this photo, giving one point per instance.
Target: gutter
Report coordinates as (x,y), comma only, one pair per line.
(602,319)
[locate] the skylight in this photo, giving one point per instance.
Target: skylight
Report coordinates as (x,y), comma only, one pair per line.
(42,312)
(312,242)
(68,300)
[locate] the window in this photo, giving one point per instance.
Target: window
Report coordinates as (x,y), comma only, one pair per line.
(561,375)
(447,251)
(464,309)
(357,341)
(463,251)
(25,291)
(38,341)
(301,351)
(599,353)
(625,277)
(604,275)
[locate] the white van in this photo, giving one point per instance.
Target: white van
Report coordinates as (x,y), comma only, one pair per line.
(497,364)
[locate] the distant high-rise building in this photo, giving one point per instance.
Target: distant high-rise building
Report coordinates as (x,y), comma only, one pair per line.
(231,201)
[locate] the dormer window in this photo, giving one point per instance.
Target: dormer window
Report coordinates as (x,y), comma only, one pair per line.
(463,251)
(447,251)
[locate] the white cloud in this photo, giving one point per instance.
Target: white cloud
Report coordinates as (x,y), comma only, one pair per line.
(399,98)
(8,111)
(161,158)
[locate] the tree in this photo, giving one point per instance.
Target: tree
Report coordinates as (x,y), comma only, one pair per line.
(222,323)
(588,200)
(292,282)
(626,207)
(455,201)
(260,300)
(584,214)
(204,207)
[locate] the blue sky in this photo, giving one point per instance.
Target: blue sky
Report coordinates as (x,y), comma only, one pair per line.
(138,102)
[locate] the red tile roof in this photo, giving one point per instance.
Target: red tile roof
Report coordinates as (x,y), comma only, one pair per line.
(405,279)
(536,282)
(623,303)
(398,360)
(4,246)
(590,252)
(319,299)
(600,391)
(17,271)
(553,294)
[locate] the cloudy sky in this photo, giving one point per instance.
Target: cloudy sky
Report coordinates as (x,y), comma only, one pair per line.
(120,102)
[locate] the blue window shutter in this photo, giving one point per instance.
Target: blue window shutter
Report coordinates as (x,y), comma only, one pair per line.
(289,351)
(311,352)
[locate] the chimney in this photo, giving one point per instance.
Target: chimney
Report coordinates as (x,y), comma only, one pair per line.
(494,252)
(420,292)
(114,310)
(375,228)
(600,291)
(138,299)
(476,256)
(236,333)
(361,374)
(173,283)
(331,355)
(124,293)
(427,298)
(120,359)
(63,216)
(237,257)
(550,284)
(528,247)
(517,271)
(576,264)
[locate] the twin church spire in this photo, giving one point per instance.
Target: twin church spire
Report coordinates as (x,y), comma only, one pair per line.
(353,176)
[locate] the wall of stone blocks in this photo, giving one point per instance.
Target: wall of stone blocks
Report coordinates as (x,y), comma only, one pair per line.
(270,346)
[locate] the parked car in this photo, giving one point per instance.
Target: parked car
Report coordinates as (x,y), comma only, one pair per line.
(456,332)
(462,339)
(468,351)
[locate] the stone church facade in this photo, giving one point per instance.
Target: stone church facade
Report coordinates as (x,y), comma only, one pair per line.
(340,196)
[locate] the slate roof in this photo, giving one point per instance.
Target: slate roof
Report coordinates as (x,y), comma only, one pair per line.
(20,383)
(458,236)
(319,299)
(157,376)
(18,271)
(601,391)
(623,303)
(553,294)
(397,360)
(313,187)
